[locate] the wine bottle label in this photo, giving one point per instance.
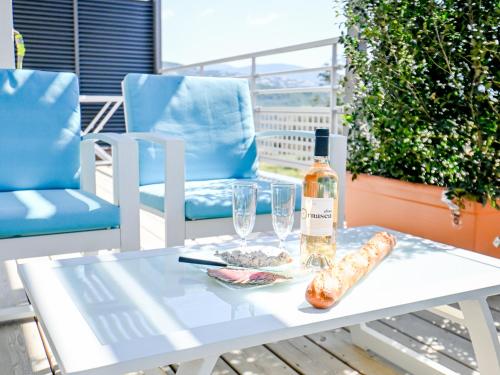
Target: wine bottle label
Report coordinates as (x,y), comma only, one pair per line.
(317,216)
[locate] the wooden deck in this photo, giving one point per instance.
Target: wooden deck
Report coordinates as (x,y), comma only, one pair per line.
(23,350)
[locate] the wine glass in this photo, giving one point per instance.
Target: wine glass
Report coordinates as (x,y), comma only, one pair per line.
(283,208)
(244,209)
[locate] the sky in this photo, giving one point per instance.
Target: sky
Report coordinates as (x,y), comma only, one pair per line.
(200,30)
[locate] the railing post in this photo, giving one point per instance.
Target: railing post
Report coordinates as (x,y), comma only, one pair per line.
(252,89)
(76,38)
(349,74)
(7,59)
(333,93)
(350,82)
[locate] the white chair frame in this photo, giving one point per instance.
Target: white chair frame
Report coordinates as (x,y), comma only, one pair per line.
(125,194)
(178,229)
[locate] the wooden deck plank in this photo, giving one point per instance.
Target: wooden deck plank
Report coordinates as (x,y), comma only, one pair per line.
(447,343)
(152,226)
(494,302)
(494,313)
(21,350)
(339,344)
(305,357)
(35,349)
(152,231)
(11,288)
(221,368)
(421,348)
(257,360)
(104,183)
(451,326)
(443,323)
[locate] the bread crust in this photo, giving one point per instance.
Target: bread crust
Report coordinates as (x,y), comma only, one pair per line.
(328,286)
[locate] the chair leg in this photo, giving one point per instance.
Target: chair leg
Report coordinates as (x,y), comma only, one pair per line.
(153,371)
(9,314)
(202,366)
(126,189)
(130,235)
(175,231)
(173,207)
(449,312)
(90,253)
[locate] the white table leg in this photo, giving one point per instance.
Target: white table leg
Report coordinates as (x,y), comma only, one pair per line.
(406,358)
(90,253)
(154,371)
(8,314)
(448,312)
(197,367)
(483,334)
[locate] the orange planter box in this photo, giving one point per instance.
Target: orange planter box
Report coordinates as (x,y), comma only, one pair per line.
(417,209)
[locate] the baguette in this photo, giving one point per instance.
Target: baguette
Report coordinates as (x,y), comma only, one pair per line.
(329,285)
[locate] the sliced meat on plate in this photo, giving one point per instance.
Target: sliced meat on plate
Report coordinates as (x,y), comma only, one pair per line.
(244,276)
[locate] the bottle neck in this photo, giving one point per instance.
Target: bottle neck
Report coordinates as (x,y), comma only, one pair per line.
(321,159)
(321,149)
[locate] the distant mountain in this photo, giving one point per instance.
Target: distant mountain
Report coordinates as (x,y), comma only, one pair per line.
(284,80)
(168,64)
(261,68)
(307,79)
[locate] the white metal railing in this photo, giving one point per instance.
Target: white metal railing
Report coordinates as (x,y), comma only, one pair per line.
(288,151)
(110,104)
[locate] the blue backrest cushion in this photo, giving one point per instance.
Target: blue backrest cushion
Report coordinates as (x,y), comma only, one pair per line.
(39,130)
(212,115)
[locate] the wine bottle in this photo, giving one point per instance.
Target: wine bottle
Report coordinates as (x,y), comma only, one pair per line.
(319,213)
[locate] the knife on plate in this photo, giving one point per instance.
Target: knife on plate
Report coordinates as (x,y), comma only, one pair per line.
(204,262)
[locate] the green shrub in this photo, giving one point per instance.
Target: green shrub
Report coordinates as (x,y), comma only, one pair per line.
(425,106)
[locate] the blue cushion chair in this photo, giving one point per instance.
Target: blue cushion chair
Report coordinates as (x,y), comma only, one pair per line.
(47,175)
(196,137)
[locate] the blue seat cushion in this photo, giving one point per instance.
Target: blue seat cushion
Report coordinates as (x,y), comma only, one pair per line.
(212,198)
(212,115)
(39,130)
(39,212)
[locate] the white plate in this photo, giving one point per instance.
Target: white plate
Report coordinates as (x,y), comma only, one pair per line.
(293,270)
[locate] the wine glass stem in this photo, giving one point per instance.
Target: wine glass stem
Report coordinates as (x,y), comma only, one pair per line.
(282,244)
(243,243)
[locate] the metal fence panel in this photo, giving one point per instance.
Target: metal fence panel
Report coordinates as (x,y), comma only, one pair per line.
(100,40)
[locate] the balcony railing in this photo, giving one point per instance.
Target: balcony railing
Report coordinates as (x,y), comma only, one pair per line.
(287,151)
(110,104)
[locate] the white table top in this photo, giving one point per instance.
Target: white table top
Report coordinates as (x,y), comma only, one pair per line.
(138,310)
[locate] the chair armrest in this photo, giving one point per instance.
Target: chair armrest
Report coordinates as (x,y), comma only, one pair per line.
(124,163)
(125,180)
(112,139)
(174,172)
(174,158)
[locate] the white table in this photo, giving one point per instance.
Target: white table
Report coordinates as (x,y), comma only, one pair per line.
(139,310)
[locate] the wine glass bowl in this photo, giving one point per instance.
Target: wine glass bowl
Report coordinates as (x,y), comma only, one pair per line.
(244,209)
(283,209)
